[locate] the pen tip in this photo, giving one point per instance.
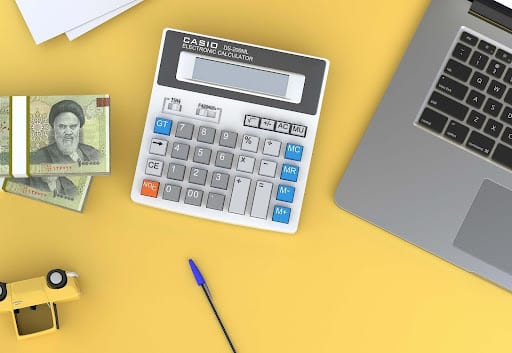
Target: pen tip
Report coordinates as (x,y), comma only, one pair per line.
(197,274)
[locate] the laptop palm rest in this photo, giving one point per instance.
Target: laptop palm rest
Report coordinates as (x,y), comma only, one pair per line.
(486,232)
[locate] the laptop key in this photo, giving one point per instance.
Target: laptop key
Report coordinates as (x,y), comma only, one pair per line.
(476,119)
(506,116)
(505,56)
(456,131)
(496,89)
(508,96)
(493,128)
(479,80)
(478,60)
(486,47)
(502,155)
(480,143)
(461,52)
(468,38)
(457,70)
(475,99)
(492,107)
(508,76)
(433,120)
(496,68)
(451,87)
(507,136)
(448,105)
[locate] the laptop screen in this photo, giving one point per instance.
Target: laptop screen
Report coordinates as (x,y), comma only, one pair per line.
(496,12)
(507,3)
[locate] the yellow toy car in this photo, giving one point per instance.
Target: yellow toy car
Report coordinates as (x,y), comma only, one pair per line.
(32,302)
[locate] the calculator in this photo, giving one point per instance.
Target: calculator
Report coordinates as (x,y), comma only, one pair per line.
(230,131)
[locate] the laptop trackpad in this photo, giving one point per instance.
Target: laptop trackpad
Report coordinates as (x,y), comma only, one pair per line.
(487,230)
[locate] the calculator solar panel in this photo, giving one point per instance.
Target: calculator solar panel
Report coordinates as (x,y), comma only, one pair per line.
(230,131)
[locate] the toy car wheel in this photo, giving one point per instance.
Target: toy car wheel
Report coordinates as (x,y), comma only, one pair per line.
(56,279)
(3,291)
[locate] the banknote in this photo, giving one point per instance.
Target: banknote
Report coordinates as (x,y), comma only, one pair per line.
(68,135)
(66,191)
(4,136)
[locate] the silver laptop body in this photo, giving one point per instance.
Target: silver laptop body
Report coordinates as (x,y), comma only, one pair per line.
(430,171)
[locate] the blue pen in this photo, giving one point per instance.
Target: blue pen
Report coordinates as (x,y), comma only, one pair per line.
(201,282)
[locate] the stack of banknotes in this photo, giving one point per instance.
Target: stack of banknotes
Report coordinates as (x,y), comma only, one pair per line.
(51,146)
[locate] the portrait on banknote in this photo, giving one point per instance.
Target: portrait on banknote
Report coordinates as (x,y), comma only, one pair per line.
(69,135)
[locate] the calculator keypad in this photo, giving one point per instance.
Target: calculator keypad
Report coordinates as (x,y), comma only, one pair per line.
(228,139)
(202,155)
(180,151)
(184,131)
(245,164)
(223,170)
(215,201)
(272,148)
(220,180)
(224,160)
(171,192)
(268,168)
(206,134)
(250,143)
(193,197)
(158,147)
(176,172)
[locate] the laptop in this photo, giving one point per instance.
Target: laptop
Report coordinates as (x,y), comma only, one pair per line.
(434,166)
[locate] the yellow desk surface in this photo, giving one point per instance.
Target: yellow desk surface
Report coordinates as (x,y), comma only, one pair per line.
(337,285)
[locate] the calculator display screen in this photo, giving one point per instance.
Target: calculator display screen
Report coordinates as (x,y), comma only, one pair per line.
(241,77)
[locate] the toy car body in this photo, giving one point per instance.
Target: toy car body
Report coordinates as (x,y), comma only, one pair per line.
(33,302)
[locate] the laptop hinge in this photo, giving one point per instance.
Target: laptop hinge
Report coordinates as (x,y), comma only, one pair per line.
(493,12)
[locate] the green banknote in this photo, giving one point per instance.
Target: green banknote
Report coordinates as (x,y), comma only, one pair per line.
(69,135)
(5,121)
(66,191)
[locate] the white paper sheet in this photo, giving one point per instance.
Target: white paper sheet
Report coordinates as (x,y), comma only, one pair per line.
(507,3)
(78,31)
(49,18)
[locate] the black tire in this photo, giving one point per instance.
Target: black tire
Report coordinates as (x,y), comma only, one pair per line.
(56,279)
(3,291)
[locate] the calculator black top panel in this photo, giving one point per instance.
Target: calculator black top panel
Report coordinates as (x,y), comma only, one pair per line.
(312,68)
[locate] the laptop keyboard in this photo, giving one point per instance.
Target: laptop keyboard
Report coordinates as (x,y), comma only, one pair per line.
(470,103)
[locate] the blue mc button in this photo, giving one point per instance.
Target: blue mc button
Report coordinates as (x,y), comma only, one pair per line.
(293,152)
(162,126)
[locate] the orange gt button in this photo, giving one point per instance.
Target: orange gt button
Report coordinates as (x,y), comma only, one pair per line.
(150,188)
